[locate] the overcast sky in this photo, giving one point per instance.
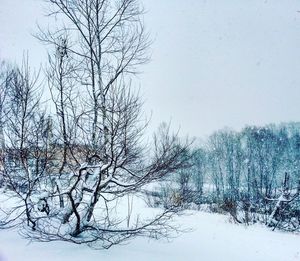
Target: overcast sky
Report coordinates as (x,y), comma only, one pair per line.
(215,63)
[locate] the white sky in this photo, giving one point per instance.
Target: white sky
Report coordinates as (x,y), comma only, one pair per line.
(215,63)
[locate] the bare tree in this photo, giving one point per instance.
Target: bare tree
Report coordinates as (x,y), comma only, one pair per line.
(96,156)
(5,74)
(25,151)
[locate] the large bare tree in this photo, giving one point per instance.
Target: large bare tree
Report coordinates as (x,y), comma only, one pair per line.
(94,153)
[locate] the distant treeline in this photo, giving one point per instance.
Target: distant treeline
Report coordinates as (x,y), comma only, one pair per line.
(244,171)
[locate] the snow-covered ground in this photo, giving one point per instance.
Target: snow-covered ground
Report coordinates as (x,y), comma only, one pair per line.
(213,238)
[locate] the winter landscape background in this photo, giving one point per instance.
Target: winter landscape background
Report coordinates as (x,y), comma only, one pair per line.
(218,180)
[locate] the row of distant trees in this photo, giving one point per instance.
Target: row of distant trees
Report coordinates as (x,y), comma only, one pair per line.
(244,172)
